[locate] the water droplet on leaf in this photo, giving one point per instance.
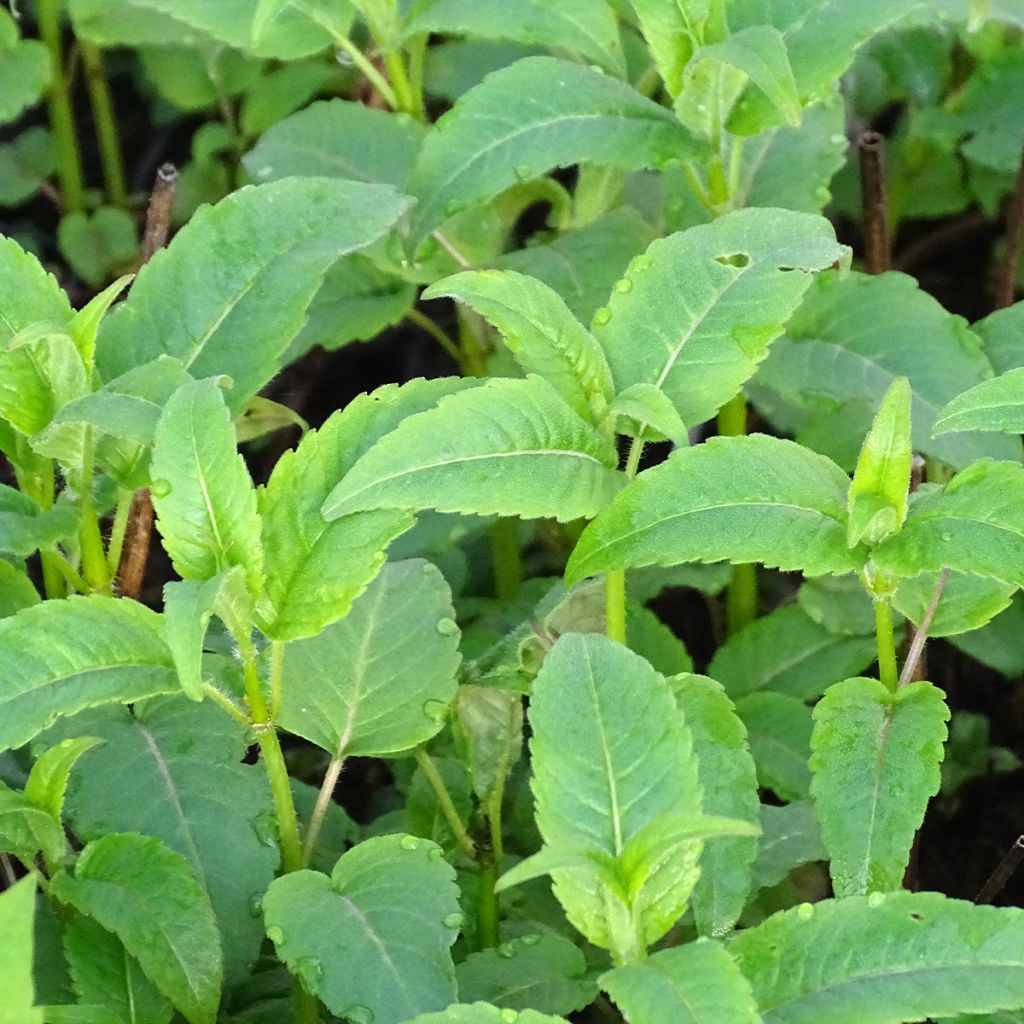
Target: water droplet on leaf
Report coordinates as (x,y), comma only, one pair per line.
(524,172)
(344,58)
(822,196)
(530,940)
(640,263)
(805,911)
(308,970)
(358,1015)
(435,710)
(452,207)
(876,899)
(409,843)
(256,905)
(507,950)
(623,286)
(275,935)
(602,317)
(447,627)
(160,488)
(265,827)
(435,853)
(453,921)
(509,1016)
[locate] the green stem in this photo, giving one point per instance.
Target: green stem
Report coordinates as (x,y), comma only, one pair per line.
(888,672)
(95,568)
(106,125)
(417,58)
(473,361)
(442,337)
(58,101)
(53,578)
(403,91)
(444,799)
(323,801)
(615,579)
(118,529)
(365,65)
(66,572)
(225,703)
(506,558)
(487,901)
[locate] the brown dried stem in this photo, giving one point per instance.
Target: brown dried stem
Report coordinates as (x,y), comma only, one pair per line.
(1006,283)
(871,149)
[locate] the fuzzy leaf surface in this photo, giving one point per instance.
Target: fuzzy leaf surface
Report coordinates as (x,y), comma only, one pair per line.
(875,760)
(26,830)
(277,241)
(779,735)
(174,770)
(698,983)
(147,895)
(30,294)
(740,499)
(17,913)
(975,524)
(701,309)
(376,933)
(511,447)
(996,404)
(379,680)
(99,650)
(883,959)
(527,119)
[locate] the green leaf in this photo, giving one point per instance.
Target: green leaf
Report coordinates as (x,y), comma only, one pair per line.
(718,501)
(281,238)
(107,978)
(17,591)
(203,495)
(844,347)
(543,972)
(821,37)
(790,837)
(38,377)
(315,569)
(1000,336)
(25,164)
(48,779)
(338,139)
(779,735)
(605,770)
(649,637)
(729,781)
(968,602)
(875,759)
(903,957)
(483,1013)
(646,405)
(881,481)
(511,447)
(24,70)
(788,652)
(147,895)
(996,404)
(975,524)
(1000,644)
(98,245)
(527,119)
(347,937)
(26,829)
(698,983)
(488,727)
(586,28)
(99,650)
(380,680)
(30,294)
(670,35)
(696,314)
(24,527)
(583,265)
(540,331)
(173,770)
(17,914)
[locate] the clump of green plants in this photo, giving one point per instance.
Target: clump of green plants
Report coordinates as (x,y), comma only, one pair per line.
(660,373)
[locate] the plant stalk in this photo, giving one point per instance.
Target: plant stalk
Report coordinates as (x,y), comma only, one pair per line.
(58,101)
(105,120)
(741,597)
(1006,287)
(888,672)
(506,558)
(487,902)
(444,799)
(323,801)
(615,579)
(874,202)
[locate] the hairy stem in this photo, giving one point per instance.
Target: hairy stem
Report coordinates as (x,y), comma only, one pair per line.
(874,202)
(323,801)
(106,125)
(888,672)
(58,101)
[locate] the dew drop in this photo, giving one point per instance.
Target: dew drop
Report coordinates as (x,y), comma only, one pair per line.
(524,172)
(509,1016)
(435,710)
(435,853)
(344,58)
(275,935)
(160,488)
(264,172)
(452,207)
(453,921)
(409,843)
(838,139)
(805,911)
(876,899)
(265,827)
(640,263)
(447,627)
(358,1015)
(308,970)
(822,196)
(947,536)
(623,286)
(256,905)
(507,950)
(602,317)
(530,940)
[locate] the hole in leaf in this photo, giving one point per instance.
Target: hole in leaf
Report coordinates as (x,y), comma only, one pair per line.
(914,916)
(736,259)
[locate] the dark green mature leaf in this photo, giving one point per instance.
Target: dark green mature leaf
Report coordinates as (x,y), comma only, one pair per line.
(996,404)
(1000,335)
(483,1013)
(728,779)
(975,524)
(17,591)
(281,238)
(338,139)
(698,983)
(605,771)
(373,938)
(202,492)
(147,895)
(788,652)
(24,70)
(1000,644)
(779,735)
(316,569)
(17,913)
(842,350)
(968,602)
(526,119)
(583,27)
(26,830)
(98,650)
(543,972)
(25,163)
(380,680)
(173,770)
(903,957)
(488,727)
(512,447)
(540,331)
(696,314)
(821,37)
(875,759)
(743,499)
(107,979)
(98,245)
(790,837)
